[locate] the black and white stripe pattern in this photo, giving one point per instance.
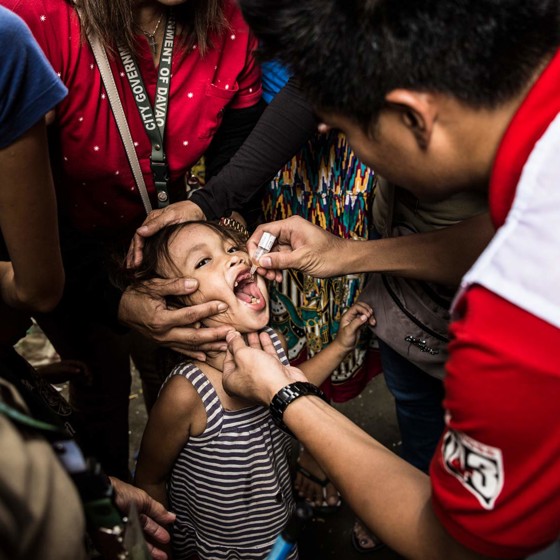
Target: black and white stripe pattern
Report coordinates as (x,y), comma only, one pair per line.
(230,487)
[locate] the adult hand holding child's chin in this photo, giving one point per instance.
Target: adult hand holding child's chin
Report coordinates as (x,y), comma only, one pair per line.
(253,370)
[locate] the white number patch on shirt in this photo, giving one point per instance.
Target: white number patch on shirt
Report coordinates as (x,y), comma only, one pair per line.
(477,466)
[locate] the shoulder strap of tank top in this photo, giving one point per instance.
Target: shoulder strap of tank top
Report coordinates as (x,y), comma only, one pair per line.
(277,345)
(209,396)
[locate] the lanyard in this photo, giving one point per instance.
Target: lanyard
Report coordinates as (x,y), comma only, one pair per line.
(154,119)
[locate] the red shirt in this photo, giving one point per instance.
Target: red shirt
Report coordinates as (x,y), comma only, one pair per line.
(496,474)
(94,181)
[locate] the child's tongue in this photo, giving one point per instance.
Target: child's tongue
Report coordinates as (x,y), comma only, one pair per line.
(250,294)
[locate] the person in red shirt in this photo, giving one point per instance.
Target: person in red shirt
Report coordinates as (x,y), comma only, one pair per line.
(187,67)
(463,97)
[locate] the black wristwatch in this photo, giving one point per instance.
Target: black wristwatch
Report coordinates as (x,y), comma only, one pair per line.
(289,394)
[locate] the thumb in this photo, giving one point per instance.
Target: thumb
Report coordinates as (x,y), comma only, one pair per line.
(279,260)
(359,320)
(172,287)
(235,342)
(158,512)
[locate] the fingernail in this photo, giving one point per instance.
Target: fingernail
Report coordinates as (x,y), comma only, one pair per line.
(230,335)
(222,306)
(190,284)
(266,262)
(223,348)
(142,229)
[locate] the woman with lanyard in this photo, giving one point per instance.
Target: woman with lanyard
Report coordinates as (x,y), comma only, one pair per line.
(189,86)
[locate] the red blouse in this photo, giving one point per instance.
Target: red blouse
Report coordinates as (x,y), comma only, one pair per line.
(94,181)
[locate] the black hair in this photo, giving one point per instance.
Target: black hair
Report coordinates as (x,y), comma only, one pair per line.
(348,54)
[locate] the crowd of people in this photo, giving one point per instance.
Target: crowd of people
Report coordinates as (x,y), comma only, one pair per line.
(405,158)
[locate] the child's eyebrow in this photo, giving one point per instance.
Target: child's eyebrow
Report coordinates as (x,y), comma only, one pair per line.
(193,250)
(197,247)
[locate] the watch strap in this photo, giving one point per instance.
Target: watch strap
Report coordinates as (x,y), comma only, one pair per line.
(288,395)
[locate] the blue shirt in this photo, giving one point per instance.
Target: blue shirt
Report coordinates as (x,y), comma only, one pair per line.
(29,87)
(274,78)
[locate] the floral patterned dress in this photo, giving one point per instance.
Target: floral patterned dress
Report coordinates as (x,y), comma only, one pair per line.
(326,184)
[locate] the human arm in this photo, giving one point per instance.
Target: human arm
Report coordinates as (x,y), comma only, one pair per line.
(177,409)
(146,310)
(34,278)
(153,515)
(318,368)
(286,124)
(235,128)
(389,495)
(284,127)
(441,256)
(495,479)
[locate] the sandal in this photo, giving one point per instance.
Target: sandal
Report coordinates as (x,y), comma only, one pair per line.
(324,508)
(363,544)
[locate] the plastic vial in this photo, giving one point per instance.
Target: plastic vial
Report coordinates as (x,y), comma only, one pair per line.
(265,245)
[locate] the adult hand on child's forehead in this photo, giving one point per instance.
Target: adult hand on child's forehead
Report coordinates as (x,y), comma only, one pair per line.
(176,213)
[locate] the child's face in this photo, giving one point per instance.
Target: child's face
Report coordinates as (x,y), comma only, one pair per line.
(222,271)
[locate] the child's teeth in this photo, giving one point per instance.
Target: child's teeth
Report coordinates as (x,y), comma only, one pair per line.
(236,284)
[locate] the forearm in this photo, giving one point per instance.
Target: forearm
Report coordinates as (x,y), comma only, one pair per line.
(285,126)
(388,494)
(318,368)
(441,256)
(28,221)
(236,126)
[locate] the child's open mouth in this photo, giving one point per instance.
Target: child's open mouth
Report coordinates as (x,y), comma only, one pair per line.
(245,289)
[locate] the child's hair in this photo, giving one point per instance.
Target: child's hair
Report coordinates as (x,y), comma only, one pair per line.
(156,253)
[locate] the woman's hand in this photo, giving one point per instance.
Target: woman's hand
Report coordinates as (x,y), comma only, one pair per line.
(302,246)
(157,219)
(146,311)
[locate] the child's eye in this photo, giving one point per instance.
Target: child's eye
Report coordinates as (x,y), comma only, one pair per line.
(202,262)
(233,249)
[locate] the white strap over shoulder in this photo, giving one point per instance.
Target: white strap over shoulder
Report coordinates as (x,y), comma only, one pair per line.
(120,118)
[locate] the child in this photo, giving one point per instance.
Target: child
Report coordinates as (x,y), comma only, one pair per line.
(219,463)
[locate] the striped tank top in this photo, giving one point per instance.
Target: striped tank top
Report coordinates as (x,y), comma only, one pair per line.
(230,486)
